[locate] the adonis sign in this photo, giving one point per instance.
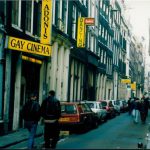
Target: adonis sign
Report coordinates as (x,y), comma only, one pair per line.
(46,21)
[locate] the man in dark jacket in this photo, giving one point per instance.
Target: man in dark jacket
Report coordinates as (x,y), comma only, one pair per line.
(31,115)
(51,111)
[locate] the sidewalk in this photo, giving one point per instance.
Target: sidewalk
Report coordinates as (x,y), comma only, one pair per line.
(17,137)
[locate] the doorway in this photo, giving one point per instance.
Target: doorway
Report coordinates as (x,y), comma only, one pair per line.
(29,83)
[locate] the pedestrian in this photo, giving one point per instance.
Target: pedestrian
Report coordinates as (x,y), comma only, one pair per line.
(135,111)
(142,111)
(51,111)
(31,116)
(144,105)
(129,106)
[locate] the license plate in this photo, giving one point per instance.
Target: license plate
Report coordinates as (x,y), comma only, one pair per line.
(64,119)
(64,133)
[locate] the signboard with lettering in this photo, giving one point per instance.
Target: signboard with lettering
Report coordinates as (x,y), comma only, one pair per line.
(28,46)
(125,81)
(81,32)
(133,86)
(89,21)
(46,21)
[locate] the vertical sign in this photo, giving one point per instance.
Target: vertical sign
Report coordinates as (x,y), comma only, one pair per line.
(133,86)
(46,21)
(81,33)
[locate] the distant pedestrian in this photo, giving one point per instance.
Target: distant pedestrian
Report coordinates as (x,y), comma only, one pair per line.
(129,106)
(31,115)
(135,111)
(142,111)
(144,105)
(51,111)
(146,102)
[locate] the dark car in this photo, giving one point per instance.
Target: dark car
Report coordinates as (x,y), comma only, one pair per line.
(77,116)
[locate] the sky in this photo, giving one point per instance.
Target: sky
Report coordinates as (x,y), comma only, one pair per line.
(139,12)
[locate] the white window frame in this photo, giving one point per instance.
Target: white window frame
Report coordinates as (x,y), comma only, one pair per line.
(75,22)
(54,8)
(32,11)
(66,23)
(18,26)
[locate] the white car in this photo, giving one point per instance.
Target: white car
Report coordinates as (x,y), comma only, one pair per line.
(116,105)
(97,108)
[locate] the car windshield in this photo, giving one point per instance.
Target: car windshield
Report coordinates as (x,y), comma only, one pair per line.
(117,103)
(91,105)
(104,104)
(68,109)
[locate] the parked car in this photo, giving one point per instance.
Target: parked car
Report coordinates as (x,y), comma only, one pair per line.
(108,106)
(116,106)
(123,105)
(77,116)
(97,108)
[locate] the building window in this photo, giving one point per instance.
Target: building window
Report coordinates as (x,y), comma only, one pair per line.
(74,17)
(57,13)
(16,13)
(92,9)
(39,18)
(64,15)
(29,16)
(54,7)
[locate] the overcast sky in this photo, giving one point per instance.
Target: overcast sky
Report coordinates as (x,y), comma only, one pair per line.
(139,11)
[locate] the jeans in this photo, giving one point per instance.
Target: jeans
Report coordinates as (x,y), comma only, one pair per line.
(31,126)
(136,115)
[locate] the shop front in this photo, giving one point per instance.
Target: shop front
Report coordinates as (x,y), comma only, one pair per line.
(27,63)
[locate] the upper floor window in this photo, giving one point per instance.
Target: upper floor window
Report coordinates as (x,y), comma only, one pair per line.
(29,16)
(39,18)
(61,14)
(65,15)
(54,7)
(74,17)
(16,13)
(92,9)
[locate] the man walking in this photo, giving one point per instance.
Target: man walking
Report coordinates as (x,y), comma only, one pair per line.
(51,111)
(31,115)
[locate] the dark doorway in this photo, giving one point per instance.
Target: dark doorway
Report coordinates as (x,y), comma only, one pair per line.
(30,82)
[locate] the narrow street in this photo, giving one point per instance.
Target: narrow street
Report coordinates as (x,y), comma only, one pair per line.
(117,133)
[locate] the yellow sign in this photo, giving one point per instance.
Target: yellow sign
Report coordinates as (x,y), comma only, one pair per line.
(125,81)
(89,21)
(133,86)
(81,32)
(33,60)
(46,21)
(28,46)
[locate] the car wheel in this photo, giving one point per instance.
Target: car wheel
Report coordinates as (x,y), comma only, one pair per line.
(96,124)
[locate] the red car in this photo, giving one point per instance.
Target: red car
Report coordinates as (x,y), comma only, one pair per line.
(78,116)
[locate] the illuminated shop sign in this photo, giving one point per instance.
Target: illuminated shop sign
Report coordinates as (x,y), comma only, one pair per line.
(28,46)
(46,21)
